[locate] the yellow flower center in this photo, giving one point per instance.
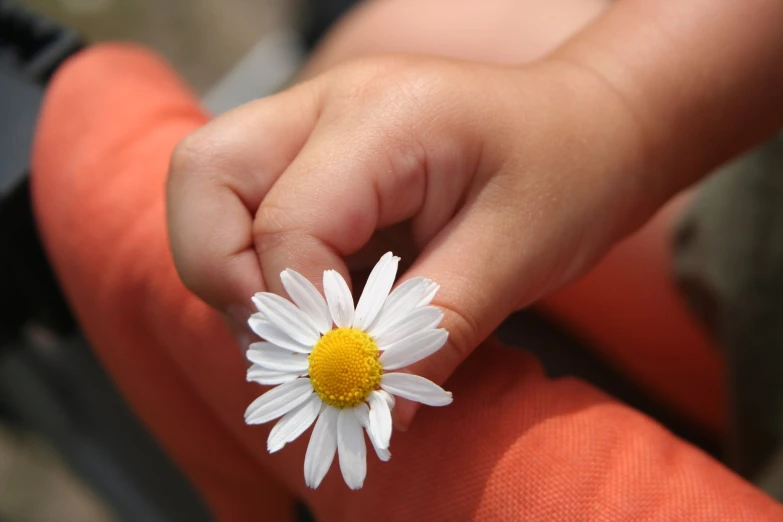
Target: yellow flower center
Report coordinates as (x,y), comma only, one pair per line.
(344,367)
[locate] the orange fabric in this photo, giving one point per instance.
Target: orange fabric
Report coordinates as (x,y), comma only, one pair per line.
(513,446)
(629,310)
(107,129)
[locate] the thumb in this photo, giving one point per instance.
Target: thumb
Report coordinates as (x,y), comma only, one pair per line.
(486,267)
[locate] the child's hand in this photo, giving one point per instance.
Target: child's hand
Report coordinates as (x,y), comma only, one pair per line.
(510,180)
(513,180)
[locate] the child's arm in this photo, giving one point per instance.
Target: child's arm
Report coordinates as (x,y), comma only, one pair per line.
(702,79)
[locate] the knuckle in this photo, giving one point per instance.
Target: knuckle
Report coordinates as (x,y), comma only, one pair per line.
(382,83)
(185,153)
(205,152)
(464,331)
(273,227)
(188,156)
(271,218)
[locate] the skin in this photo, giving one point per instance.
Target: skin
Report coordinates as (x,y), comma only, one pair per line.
(506,178)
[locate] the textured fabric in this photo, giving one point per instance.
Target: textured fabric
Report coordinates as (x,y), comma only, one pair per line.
(513,446)
(630,311)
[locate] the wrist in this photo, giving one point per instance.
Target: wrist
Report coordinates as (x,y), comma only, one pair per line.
(613,156)
(699,78)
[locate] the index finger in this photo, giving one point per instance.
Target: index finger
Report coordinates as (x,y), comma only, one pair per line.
(217,179)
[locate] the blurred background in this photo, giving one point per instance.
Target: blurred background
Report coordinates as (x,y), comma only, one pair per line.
(203,39)
(70,451)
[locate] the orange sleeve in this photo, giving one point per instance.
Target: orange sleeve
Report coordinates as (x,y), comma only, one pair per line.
(109,122)
(630,312)
(513,446)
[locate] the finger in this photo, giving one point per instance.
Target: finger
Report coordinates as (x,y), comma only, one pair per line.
(363,169)
(386,149)
(218,177)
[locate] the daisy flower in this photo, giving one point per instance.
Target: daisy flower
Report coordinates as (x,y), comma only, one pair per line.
(334,365)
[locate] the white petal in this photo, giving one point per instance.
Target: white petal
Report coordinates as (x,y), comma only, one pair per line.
(269,377)
(256,302)
(413,349)
(415,388)
(383,454)
(380,419)
(362,412)
(266,330)
(401,302)
(376,291)
(388,397)
(320,450)
(287,317)
(429,293)
(363,415)
(273,357)
(294,423)
(307,297)
(339,298)
(425,318)
(278,401)
(351,450)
